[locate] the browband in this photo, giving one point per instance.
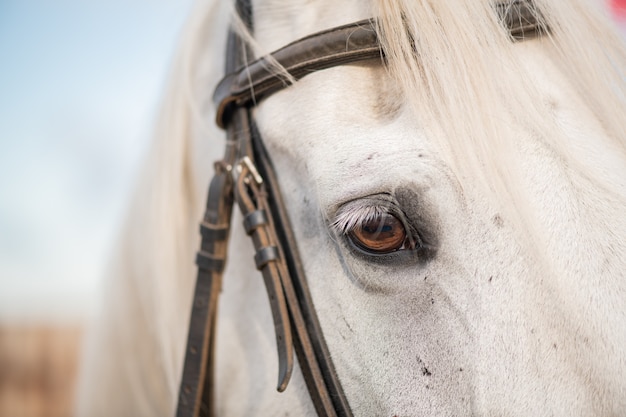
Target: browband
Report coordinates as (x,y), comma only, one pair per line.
(330,48)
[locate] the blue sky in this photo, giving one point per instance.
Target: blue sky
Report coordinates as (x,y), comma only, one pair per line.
(80,82)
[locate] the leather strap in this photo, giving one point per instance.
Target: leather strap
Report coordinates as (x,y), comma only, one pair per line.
(519,17)
(197,383)
(251,197)
(337,46)
(259,79)
(210,261)
(313,355)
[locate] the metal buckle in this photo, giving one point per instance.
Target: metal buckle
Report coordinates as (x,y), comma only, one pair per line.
(247,163)
(222,166)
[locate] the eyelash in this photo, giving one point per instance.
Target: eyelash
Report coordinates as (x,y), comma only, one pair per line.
(353,218)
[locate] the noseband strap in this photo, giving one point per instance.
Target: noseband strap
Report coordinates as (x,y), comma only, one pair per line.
(246,175)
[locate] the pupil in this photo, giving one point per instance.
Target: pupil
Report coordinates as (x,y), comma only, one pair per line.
(377,228)
(369,229)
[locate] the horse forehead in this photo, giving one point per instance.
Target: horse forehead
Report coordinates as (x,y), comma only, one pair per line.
(336,126)
(351,94)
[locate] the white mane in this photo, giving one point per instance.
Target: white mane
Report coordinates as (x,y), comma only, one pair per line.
(487,84)
(469,87)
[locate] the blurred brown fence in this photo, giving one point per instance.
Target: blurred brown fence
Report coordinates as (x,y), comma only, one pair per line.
(38,365)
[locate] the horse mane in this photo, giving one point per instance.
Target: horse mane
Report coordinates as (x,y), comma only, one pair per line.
(136,353)
(134,347)
(462,79)
(456,67)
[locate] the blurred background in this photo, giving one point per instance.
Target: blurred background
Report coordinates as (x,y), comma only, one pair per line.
(80,82)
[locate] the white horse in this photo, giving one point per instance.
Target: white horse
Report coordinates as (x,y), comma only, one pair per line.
(507,160)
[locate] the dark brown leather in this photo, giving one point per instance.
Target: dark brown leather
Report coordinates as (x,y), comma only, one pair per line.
(345,44)
(197,382)
(210,260)
(337,46)
(520,17)
(251,197)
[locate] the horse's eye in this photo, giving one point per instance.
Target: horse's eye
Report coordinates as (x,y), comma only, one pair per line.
(381,234)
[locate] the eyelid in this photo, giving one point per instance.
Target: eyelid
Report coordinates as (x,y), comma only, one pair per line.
(356,212)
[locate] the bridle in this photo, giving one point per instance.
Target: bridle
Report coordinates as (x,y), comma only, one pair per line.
(245,175)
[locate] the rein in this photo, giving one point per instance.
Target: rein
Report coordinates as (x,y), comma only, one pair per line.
(245,175)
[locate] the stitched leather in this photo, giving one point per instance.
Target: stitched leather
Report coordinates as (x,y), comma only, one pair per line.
(251,197)
(337,46)
(345,44)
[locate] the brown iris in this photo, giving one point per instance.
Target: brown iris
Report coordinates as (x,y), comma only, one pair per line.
(381,234)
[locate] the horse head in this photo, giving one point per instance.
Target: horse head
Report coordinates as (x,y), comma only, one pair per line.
(458,209)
